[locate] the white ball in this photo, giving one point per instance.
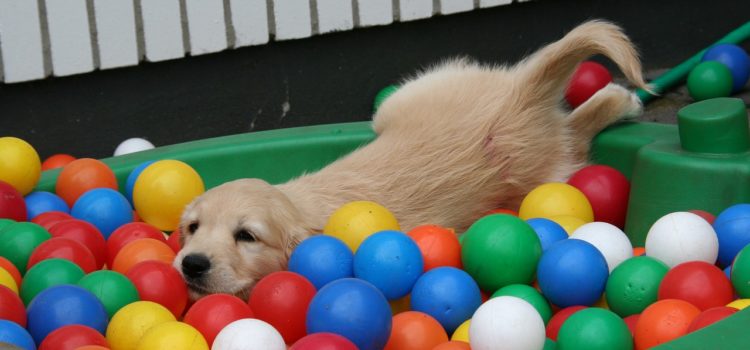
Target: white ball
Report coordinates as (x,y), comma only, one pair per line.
(680,237)
(133,145)
(248,334)
(506,323)
(609,239)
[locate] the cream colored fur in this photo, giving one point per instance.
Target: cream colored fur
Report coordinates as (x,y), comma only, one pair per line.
(453,142)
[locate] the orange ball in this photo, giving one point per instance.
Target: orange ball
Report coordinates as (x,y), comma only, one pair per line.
(663,321)
(453,345)
(413,330)
(439,246)
(140,250)
(638,251)
(12,270)
(57,161)
(82,175)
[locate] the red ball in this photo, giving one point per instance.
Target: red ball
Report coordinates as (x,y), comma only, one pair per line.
(557,320)
(699,283)
(12,270)
(281,299)
(11,307)
(72,337)
(12,205)
(502,211)
(588,78)
(64,248)
(439,246)
(57,161)
(709,316)
(705,215)
(50,218)
(210,314)
(323,341)
(631,321)
(159,282)
(128,233)
(607,190)
(173,241)
(84,233)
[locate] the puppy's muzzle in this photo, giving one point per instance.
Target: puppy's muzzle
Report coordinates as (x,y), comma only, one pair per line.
(194,266)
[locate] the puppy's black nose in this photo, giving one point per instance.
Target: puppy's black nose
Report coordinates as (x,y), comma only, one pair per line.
(195,265)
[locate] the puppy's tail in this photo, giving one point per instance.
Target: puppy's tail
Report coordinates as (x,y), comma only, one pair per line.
(548,71)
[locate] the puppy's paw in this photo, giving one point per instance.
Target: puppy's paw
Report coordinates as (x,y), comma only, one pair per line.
(624,103)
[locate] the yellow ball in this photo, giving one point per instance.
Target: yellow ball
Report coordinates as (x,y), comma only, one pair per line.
(602,302)
(462,332)
(355,221)
(556,199)
(19,164)
(739,304)
(172,335)
(6,279)
(162,191)
(568,223)
(131,322)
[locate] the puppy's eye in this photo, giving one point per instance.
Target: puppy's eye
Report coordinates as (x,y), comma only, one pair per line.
(192,227)
(244,236)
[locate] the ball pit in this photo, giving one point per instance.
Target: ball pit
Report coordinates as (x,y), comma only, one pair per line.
(391,261)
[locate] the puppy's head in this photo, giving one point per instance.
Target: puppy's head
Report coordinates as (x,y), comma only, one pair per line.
(234,235)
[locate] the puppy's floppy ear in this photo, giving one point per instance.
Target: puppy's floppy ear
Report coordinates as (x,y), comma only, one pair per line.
(293,238)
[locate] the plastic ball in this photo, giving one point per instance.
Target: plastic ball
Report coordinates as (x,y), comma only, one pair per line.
(733,57)
(282,299)
(741,273)
(140,250)
(11,306)
(439,246)
(8,266)
(572,272)
(163,190)
(71,337)
(172,335)
(105,208)
(159,282)
(634,285)
(699,283)
(569,223)
(248,334)
(128,233)
(112,288)
(5,222)
(594,328)
(323,341)
(588,78)
(631,321)
(42,202)
(6,280)
(462,332)
(414,330)
(400,305)
(382,95)
(453,345)
(173,241)
(210,314)
(50,218)
(132,145)
(128,325)
(506,323)
(19,164)
(709,79)
(355,221)
(558,319)
(12,205)
(663,321)
(503,211)
(607,190)
(739,304)
(352,308)
(733,230)
(639,251)
(556,199)
(391,261)
(710,316)
(322,259)
(680,237)
(63,305)
(18,241)
(610,240)
(548,231)
(57,161)
(46,274)
(82,175)
(710,218)
(133,176)
(92,347)
(499,250)
(531,295)
(64,248)
(448,294)
(13,334)
(84,233)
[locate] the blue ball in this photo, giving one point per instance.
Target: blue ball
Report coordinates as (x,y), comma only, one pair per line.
(548,231)
(104,208)
(735,58)
(354,309)
(63,305)
(728,272)
(447,294)
(391,261)
(41,202)
(732,227)
(130,182)
(572,272)
(12,333)
(322,259)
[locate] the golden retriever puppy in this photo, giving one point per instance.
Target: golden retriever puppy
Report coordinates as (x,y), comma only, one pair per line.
(452,143)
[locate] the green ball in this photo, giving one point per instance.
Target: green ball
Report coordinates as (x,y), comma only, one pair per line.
(709,79)
(48,273)
(112,288)
(382,95)
(634,285)
(741,273)
(18,241)
(531,295)
(499,250)
(5,222)
(594,329)
(549,344)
